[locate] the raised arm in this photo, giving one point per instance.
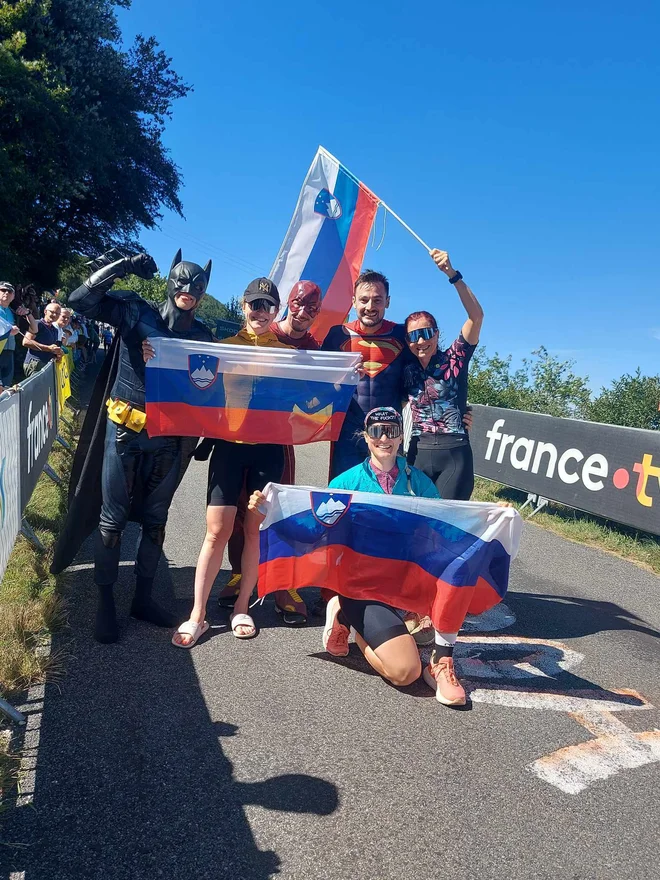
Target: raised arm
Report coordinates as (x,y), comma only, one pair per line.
(91,299)
(472,327)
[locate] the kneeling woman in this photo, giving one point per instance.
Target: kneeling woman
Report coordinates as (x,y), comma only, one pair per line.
(233,465)
(381,633)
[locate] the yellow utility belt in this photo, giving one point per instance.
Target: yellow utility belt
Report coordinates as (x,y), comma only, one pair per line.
(122,413)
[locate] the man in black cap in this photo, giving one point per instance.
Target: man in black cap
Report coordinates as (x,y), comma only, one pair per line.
(139,473)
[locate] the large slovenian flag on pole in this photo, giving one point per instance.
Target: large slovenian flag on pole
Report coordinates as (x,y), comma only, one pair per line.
(441,558)
(327,238)
(238,392)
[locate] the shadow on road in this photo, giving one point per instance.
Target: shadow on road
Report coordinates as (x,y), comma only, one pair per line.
(132,780)
(544,616)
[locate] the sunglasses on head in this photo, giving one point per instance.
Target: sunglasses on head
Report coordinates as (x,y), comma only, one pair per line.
(262,305)
(391,431)
(422,333)
(312,309)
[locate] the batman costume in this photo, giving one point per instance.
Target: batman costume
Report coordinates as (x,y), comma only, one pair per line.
(139,474)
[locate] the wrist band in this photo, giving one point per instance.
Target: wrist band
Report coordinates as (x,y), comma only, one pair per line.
(455,278)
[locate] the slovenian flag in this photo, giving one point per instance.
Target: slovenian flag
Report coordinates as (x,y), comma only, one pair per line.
(327,238)
(5,332)
(441,558)
(238,392)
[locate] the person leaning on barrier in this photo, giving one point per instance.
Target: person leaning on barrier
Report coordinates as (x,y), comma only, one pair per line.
(44,343)
(7,293)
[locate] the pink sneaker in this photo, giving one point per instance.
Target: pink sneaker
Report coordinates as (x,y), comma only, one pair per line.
(335,634)
(441,677)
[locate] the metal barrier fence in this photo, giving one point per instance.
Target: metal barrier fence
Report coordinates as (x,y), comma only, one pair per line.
(29,421)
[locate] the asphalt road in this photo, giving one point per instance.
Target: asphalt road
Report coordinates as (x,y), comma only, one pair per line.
(245,759)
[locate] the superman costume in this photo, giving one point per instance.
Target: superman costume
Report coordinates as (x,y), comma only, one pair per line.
(384,355)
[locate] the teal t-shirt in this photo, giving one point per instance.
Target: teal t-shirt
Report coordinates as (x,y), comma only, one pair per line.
(8,315)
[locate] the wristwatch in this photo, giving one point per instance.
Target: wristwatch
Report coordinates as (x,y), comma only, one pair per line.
(455,278)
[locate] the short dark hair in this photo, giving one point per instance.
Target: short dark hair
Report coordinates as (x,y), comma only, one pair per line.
(371,277)
(415,316)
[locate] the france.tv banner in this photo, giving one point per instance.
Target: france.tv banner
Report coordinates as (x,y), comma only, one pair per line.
(38,427)
(602,469)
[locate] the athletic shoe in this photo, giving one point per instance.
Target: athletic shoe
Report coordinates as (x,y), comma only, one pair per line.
(335,634)
(291,607)
(441,677)
(420,628)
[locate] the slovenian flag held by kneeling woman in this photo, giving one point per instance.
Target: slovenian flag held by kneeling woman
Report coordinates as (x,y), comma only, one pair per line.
(255,395)
(441,558)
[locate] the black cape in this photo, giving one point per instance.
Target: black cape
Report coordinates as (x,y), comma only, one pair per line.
(85,497)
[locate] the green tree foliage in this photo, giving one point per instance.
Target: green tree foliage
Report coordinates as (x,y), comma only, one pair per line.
(632,400)
(543,384)
(82,164)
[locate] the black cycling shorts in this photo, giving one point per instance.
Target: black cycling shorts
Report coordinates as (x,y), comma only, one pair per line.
(445,460)
(234,465)
(376,622)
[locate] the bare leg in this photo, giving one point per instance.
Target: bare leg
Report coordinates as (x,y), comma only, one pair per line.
(249,565)
(219,525)
(397,660)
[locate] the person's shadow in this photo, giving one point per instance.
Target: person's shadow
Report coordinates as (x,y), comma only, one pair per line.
(545,616)
(131,777)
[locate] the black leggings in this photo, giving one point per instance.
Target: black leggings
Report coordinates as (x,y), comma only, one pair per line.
(376,622)
(450,467)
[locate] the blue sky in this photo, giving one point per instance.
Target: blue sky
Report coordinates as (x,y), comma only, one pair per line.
(521,137)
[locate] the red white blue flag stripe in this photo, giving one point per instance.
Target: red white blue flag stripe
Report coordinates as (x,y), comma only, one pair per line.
(441,558)
(327,238)
(238,392)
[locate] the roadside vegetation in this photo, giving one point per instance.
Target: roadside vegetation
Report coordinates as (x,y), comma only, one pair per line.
(30,602)
(583,528)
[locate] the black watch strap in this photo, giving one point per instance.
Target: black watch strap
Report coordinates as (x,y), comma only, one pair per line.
(455,278)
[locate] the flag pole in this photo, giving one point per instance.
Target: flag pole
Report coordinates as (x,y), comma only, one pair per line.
(380,201)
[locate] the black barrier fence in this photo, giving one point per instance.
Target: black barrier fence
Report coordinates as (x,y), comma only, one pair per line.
(38,427)
(607,470)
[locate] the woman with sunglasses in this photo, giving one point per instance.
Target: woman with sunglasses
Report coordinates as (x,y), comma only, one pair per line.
(233,465)
(380,630)
(436,383)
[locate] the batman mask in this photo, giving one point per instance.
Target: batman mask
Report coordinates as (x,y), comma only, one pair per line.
(187,278)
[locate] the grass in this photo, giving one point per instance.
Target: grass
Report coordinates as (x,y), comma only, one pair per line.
(639,547)
(30,606)
(30,603)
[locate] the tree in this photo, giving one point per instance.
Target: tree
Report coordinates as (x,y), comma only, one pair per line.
(631,400)
(543,384)
(82,164)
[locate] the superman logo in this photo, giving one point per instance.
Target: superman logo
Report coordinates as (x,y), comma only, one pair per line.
(377,354)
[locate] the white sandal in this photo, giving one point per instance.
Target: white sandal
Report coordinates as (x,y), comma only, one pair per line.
(237,620)
(190,628)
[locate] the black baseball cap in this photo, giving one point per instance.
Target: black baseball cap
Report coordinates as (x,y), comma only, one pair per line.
(383,415)
(262,288)
(5,285)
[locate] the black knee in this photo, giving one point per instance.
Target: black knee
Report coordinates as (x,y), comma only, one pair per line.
(110,537)
(156,534)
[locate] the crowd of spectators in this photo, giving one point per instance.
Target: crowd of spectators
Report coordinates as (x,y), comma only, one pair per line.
(44,329)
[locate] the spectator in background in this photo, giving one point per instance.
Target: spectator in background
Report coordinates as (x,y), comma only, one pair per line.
(64,330)
(107,337)
(7,351)
(44,343)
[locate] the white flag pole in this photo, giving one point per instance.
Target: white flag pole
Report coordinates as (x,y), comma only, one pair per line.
(380,201)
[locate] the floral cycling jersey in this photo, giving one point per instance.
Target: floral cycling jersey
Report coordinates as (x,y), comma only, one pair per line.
(438,394)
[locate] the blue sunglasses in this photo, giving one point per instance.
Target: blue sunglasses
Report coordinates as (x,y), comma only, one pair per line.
(422,333)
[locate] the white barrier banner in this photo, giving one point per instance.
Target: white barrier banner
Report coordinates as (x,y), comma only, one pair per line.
(10,495)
